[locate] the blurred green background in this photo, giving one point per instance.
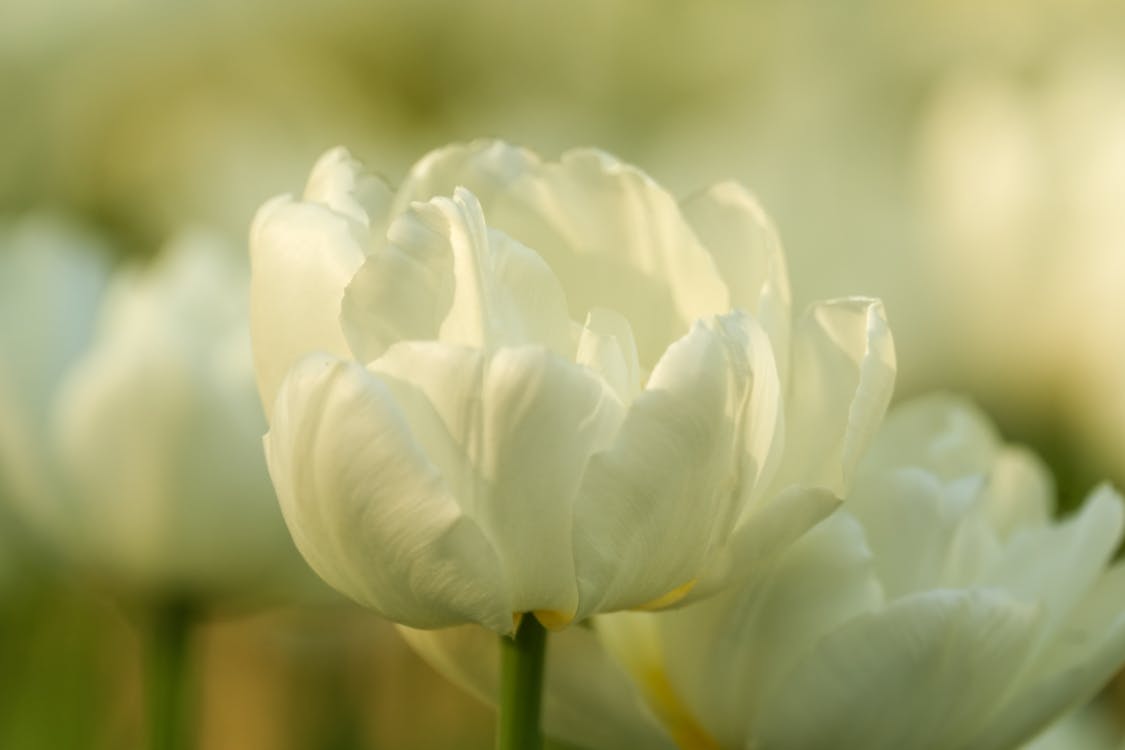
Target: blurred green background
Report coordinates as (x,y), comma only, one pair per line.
(965,161)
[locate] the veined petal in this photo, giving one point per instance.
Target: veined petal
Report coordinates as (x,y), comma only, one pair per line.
(444,275)
(912,675)
(302,257)
(842,373)
(742,239)
(339,182)
(587,699)
(369,511)
(615,239)
(656,505)
(516,428)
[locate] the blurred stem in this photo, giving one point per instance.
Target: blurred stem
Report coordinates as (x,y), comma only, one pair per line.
(521,686)
(169,677)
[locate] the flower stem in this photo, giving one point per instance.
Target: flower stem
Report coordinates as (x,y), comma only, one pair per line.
(521,686)
(169,677)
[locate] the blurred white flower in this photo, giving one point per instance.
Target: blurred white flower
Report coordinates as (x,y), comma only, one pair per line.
(545,387)
(940,608)
(135,446)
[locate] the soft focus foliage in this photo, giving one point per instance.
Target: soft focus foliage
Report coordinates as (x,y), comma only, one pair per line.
(528,391)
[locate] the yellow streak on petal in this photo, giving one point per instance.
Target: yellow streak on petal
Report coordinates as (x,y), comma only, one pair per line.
(667,600)
(553,619)
(674,715)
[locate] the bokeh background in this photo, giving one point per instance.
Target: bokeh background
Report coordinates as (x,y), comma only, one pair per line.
(964,161)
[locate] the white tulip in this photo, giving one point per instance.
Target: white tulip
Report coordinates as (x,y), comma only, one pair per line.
(941,608)
(525,386)
(134,445)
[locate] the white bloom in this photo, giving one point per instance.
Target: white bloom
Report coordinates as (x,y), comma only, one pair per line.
(941,608)
(545,386)
(135,447)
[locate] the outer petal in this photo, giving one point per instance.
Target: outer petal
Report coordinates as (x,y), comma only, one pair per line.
(484,167)
(942,433)
(842,374)
(588,699)
(727,655)
(302,256)
(615,239)
(513,432)
(1089,650)
(732,225)
(369,511)
(1079,548)
(339,182)
(655,506)
(913,675)
(926,533)
(445,276)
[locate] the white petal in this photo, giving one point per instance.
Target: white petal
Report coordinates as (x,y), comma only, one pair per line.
(606,345)
(1031,709)
(942,433)
(926,533)
(443,275)
(617,240)
(732,225)
(302,256)
(587,699)
(1020,493)
(516,429)
(484,167)
(913,675)
(339,182)
(842,373)
(656,505)
(726,655)
(1058,564)
(369,511)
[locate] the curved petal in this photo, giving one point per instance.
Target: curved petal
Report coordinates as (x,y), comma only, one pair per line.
(615,239)
(302,256)
(734,227)
(926,533)
(587,699)
(369,511)
(842,373)
(1020,493)
(517,428)
(1080,547)
(484,167)
(943,433)
(913,675)
(757,632)
(656,505)
(445,276)
(606,345)
(339,182)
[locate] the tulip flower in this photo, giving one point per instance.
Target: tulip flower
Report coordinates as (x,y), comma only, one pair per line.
(942,607)
(522,390)
(516,386)
(130,433)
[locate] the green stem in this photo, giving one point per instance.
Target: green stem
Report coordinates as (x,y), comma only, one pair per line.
(521,686)
(169,678)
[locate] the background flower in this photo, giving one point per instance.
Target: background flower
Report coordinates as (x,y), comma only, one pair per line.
(940,608)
